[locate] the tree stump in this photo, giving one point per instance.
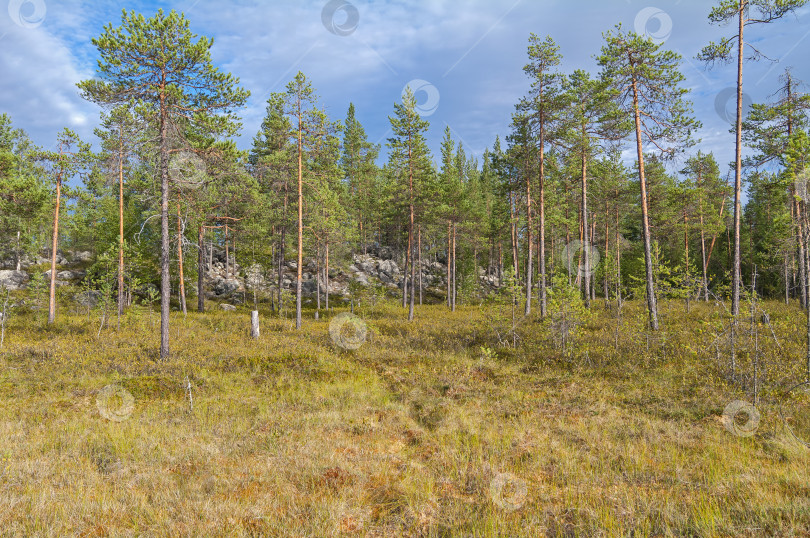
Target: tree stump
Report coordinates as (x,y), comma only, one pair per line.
(254,324)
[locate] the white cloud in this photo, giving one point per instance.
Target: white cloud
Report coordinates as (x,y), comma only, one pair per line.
(472,51)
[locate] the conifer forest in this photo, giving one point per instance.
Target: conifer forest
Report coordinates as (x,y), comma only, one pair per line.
(463,269)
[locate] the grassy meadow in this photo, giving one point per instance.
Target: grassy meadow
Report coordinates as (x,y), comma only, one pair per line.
(437,427)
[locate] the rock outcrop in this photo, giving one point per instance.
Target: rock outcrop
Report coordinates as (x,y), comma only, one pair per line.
(236,284)
(13,280)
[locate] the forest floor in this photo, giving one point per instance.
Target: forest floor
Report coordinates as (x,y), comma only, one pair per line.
(431,428)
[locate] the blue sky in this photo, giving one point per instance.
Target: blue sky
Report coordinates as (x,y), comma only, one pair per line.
(467,56)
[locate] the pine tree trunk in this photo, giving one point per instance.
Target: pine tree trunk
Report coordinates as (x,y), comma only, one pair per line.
(18,254)
(580,263)
(300,221)
(449,258)
(513,214)
(652,308)
(802,253)
(419,259)
(686,247)
(54,244)
(227,254)
(705,282)
(593,238)
(405,280)
(201,269)
(618,258)
(182,286)
(529,258)
(605,286)
(413,284)
(806,263)
(585,241)
(317,278)
(409,260)
(280,271)
(282,249)
(542,248)
(326,276)
(567,242)
(165,252)
(735,280)
(453,272)
(500,264)
(120,235)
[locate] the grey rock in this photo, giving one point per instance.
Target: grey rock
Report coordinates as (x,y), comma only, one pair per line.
(368,267)
(226,286)
(309,286)
(228,307)
(89,298)
(389,266)
(13,280)
(82,256)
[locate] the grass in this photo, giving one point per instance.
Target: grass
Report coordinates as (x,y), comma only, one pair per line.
(419,432)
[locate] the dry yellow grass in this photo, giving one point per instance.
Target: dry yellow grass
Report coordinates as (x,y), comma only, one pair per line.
(417,433)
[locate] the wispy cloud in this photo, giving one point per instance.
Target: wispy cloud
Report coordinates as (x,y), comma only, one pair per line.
(471,51)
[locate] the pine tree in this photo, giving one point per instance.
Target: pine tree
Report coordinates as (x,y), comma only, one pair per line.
(358,162)
(647,82)
(24,194)
(120,133)
(157,62)
(767,129)
(763,12)
(593,117)
(410,161)
(72,155)
(543,108)
(300,106)
(797,160)
(449,209)
(274,160)
(704,175)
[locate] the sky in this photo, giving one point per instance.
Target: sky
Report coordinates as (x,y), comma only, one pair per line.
(464,59)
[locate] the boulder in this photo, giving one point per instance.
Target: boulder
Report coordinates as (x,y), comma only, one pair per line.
(82,256)
(309,286)
(228,307)
(389,266)
(368,267)
(89,298)
(226,286)
(13,280)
